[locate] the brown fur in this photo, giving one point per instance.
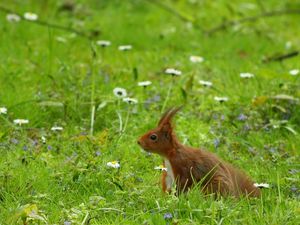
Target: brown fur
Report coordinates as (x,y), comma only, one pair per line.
(190,165)
(163,182)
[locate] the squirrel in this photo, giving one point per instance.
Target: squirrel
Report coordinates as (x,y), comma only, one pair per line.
(187,166)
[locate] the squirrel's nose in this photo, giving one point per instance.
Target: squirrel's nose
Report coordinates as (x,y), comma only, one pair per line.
(139,142)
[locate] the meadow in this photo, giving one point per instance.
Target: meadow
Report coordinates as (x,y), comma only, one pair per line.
(72,107)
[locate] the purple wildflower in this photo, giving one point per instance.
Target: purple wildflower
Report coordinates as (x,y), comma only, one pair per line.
(98,153)
(168,216)
(49,147)
(216,142)
(252,150)
(34,142)
(14,141)
(242,117)
(246,127)
(25,148)
(294,189)
(272,150)
(215,116)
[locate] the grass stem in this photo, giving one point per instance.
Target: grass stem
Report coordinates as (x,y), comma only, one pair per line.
(168,95)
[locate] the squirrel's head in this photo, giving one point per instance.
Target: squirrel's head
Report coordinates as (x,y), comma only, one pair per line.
(161,139)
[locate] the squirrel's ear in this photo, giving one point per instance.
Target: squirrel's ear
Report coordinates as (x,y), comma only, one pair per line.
(166,130)
(164,116)
(168,115)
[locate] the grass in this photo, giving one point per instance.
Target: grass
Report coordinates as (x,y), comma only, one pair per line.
(55,83)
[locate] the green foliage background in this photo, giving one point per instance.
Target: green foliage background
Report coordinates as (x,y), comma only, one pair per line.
(53,77)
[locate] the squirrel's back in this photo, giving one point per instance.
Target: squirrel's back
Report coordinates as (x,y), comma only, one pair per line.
(216,175)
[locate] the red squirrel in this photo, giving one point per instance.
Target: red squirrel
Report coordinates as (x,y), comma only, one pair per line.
(187,166)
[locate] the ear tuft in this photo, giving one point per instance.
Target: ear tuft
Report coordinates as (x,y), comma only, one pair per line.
(166,129)
(168,115)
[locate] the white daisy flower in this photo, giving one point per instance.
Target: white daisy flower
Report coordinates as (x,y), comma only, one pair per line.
(21,121)
(221,99)
(196,59)
(294,72)
(120,92)
(246,75)
(205,83)
(130,100)
(56,128)
(30,16)
(144,83)
(173,72)
(61,39)
(113,164)
(3,110)
(161,167)
(125,47)
(43,139)
(13,17)
(189,25)
(103,43)
(169,30)
(249,6)
(288,45)
(261,185)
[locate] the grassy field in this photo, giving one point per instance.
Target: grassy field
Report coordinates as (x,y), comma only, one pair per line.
(56,78)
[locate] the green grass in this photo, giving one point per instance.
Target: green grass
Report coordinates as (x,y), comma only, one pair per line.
(67,179)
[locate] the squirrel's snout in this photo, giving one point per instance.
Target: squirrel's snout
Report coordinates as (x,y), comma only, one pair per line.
(140,142)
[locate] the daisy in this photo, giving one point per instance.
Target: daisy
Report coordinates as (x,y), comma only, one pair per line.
(246,75)
(3,110)
(13,18)
(196,59)
(169,30)
(294,72)
(261,185)
(120,92)
(130,100)
(43,139)
(205,83)
(144,83)
(30,16)
(221,99)
(161,167)
(21,121)
(288,45)
(173,72)
(125,47)
(55,128)
(103,43)
(113,164)
(249,6)
(61,39)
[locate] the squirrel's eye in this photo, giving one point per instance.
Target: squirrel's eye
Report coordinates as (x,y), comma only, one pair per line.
(153,137)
